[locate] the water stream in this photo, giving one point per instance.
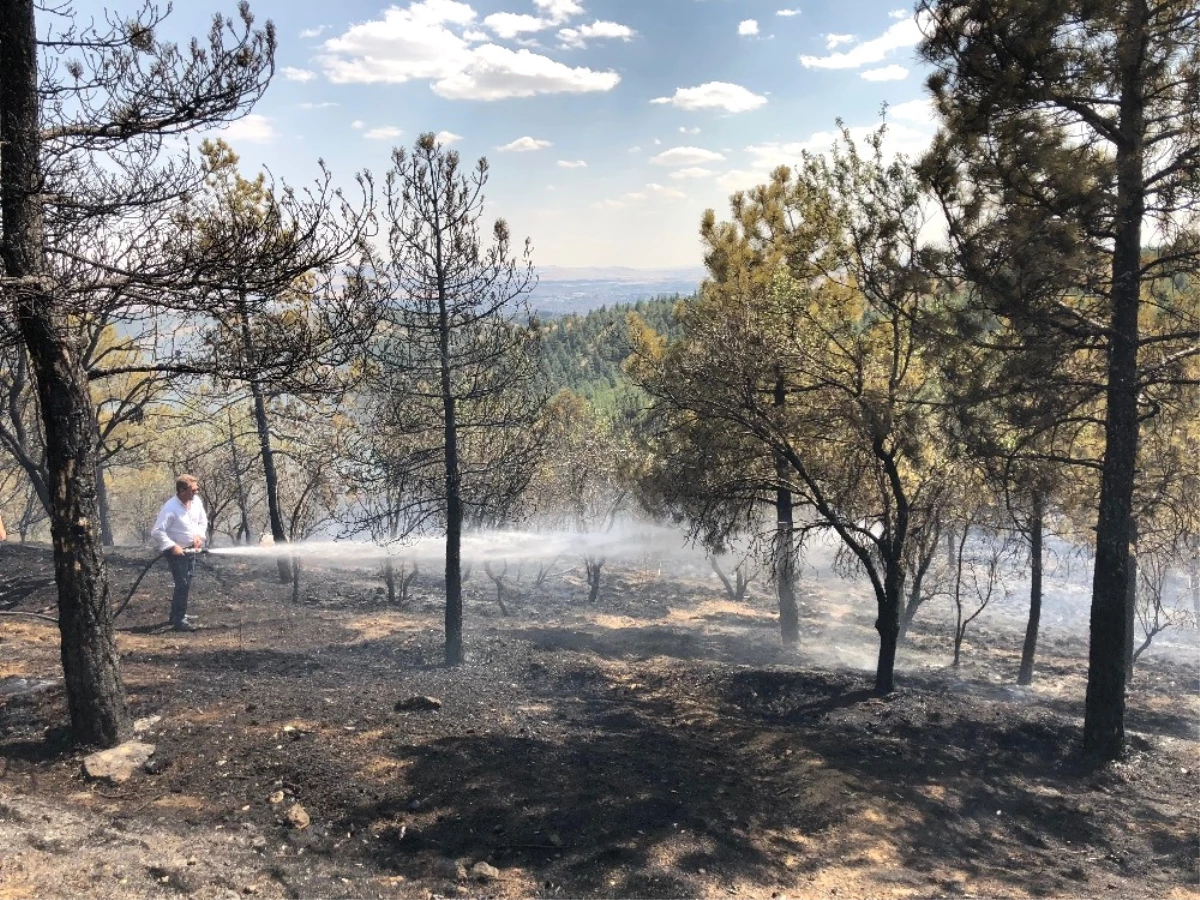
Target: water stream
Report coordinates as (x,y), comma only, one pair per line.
(625,543)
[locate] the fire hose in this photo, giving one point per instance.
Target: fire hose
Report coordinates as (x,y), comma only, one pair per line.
(203,551)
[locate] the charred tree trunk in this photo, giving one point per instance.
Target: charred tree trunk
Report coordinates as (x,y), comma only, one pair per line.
(501,587)
(1029,651)
(406,581)
(243,503)
(785,550)
(91,667)
(263,426)
(389,579)
(454,509)
(960,628)
(1104,707)
(927,552)
(735,590)
(270,478)
(593,566)
(106,534)
(1131,600)
(888,622)
(888,626)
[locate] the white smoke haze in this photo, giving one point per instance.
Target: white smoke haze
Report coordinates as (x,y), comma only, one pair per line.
(838,612)
(624,543)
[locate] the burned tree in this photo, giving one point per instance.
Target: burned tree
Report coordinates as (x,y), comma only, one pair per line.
(282,292)
(453,354)
(1085,115)
(84,112)
(841,286)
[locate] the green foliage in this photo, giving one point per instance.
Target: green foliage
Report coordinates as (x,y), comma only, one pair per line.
(585,353)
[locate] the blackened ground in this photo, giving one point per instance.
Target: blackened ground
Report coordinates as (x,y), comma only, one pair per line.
(656,744)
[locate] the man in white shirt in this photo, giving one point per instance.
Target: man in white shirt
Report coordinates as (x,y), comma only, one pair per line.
(181,525)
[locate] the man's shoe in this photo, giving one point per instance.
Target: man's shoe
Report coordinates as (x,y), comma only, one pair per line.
(184,626)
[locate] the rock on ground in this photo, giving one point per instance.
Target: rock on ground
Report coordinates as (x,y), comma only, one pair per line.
(117,764)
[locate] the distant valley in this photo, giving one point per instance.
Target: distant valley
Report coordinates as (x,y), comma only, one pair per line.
(565,290)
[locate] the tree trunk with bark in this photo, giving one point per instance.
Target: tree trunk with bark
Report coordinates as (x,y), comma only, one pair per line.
(454,508)
(1104,706)
(244,531)
(1131,600)
(888,626)
(593,566)
(785,549)
(91,667)
(106,533)
(1029,650)
(270,475)
(271,479)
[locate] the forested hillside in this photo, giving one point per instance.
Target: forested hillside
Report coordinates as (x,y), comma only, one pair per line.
(585,353)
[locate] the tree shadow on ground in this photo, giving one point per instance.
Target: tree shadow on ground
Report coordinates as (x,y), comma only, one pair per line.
(634,807)
(1028,799)
(642,642)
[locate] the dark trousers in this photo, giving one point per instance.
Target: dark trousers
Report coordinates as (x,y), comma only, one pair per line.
(181,571)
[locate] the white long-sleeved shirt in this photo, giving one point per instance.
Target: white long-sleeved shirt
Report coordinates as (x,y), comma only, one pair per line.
(179,524)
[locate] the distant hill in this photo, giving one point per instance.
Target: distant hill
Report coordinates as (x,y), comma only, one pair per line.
(565,290)
(584,352)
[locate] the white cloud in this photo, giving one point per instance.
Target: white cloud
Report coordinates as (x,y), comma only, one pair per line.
(572,164)
(291,73)
(323,105)
(635,149)
(475,36)
(496,73)
(509,25)
(576,38)
(683,129)
(747,27)
(382,133)
(836,40)
(741,179)
(251,129)
(524,145)
(898,14)
(432,40)
(634,198)
(358,124)
(731,98)
(787,12)
(666,193)
(899,138)
(406,44)
(693,172)
(447,137)
(621,202)
(559,10)
(920,111)
(312,32)
(686,156)
(903,34)
(886,73)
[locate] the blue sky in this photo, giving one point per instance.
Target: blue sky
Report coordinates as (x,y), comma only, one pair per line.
(610,125)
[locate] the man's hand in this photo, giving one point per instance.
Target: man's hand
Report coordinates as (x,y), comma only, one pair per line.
(197,543)
(176,550)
